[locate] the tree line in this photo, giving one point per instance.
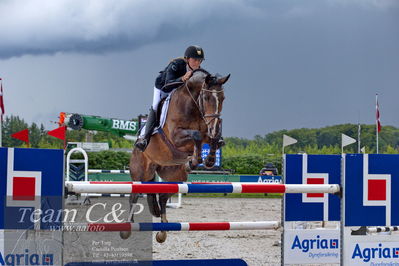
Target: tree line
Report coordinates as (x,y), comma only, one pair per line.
(243,155)
(39,139)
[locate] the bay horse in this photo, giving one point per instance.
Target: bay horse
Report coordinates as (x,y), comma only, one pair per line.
(193,119)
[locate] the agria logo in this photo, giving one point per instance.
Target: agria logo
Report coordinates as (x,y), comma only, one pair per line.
(316,243)
(26,259)
(380,252)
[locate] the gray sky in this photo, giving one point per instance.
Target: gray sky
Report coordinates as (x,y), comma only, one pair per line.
(294,63)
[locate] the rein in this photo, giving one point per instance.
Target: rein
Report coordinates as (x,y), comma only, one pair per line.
(200,107)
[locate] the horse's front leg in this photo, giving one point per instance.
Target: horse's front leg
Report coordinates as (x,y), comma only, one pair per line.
(196,159)
(210,160)
(215,140)
(183,137)
(163,199)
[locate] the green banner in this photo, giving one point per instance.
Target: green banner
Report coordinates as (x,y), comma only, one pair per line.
(213,178)
(109,177)
(191,177)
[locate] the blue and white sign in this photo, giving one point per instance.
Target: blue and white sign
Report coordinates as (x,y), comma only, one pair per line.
(31,187)
(371,198)
(312,169)
(371,189)
(205,151)
(381,252)
(311,246)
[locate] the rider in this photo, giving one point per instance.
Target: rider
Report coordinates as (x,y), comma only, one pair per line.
(178,70)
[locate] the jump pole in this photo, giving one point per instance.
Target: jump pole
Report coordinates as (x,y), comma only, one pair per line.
(382,229)
(132,187)
(208,226)
(100,171)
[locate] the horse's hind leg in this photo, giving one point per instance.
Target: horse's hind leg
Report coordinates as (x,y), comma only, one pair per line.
(141,169)
(132,203)
(153,203)
(170,174)
(163,199)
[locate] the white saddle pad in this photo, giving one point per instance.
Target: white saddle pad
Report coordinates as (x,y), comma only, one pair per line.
(162,120)
(164,113)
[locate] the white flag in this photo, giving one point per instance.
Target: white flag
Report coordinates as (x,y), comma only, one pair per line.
(363,150)
(287,140)
(346,140)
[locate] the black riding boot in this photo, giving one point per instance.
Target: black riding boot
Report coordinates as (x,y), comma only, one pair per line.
(142,143)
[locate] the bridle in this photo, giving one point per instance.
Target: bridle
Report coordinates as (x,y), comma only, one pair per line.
(215,117)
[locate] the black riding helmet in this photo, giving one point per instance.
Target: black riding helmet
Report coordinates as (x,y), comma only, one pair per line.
(194,51)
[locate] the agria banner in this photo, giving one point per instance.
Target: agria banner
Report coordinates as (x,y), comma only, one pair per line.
(371,200)
(302,243)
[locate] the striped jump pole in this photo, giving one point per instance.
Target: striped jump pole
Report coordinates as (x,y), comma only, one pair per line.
(214,226)
(382,229)
(99,171)
(165,187)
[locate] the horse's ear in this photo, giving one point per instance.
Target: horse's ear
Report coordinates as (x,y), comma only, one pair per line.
(208,79)
(223,80)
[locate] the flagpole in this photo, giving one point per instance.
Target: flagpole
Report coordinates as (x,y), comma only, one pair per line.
(65,140)
(376,120)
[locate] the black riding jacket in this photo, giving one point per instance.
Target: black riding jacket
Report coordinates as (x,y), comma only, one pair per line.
(172,73)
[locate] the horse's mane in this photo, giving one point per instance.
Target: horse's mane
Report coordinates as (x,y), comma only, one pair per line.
(199,75)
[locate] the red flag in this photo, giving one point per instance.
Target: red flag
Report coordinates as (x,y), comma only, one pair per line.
(377,114)
(1,100)
(22,135)
(58,133)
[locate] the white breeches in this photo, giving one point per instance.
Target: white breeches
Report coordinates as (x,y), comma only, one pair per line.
(158,96)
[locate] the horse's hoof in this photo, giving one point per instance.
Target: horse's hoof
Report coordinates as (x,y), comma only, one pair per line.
(188,166)
(209,163)
(161,237)
(125,234)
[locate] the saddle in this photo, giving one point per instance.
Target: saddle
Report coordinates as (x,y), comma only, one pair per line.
(161,114)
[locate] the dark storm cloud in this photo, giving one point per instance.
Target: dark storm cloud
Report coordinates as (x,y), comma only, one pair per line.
(96,26)
(294,63)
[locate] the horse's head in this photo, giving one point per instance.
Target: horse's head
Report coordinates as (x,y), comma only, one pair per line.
(210,100)
(211,103)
